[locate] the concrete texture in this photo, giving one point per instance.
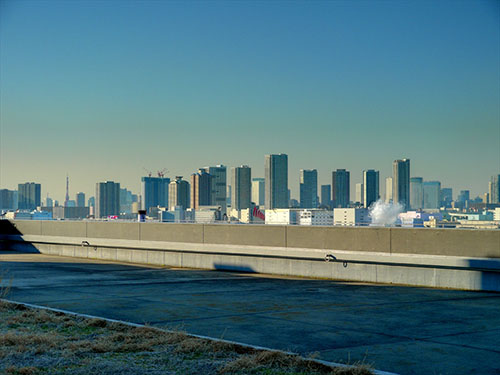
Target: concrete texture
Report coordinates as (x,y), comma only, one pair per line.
(64,228)
(257,235)
(192,233)
(457,242)
(340,238)
(25,226)
(127,231)
(453,242)
(405,330)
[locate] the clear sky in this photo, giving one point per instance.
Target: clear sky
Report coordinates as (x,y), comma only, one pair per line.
(101,89)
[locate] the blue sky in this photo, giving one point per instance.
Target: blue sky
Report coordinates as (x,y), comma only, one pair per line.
(101,89)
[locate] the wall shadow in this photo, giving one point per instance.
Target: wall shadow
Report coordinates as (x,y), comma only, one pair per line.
(11,239)
(490,273)
(233,268)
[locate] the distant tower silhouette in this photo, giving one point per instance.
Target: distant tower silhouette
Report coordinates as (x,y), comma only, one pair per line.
(66,201)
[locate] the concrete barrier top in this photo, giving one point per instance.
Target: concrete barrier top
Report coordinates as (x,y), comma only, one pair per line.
(455,242)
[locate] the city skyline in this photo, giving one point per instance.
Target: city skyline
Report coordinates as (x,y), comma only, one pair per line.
(291,184)
(100,91)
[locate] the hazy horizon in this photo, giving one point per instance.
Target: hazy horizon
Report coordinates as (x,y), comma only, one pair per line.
(101,90)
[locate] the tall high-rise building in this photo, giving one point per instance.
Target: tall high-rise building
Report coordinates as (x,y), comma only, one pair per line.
(446,197)
(432,193)
(178,194)
(219,186)
(7,199)
(308,188)
(258,191)
(370,187)
(126,200)
(201,189)
(29,195)
(80,199)
(464,196)
(154,192)
(388,190)
(494,189)
(241,178)
(401,182)
(326,195)
(49,202)
(359,193)
(341,188)
(276,185)
(107,199)
(416,193)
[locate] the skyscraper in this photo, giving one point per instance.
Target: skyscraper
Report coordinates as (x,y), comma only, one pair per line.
(494,189)
(258,191)
(80,199)
(446,197)
(416,193)
(178,194)
(341,188)
(154,192)
(7,199)
(276,185)
(201,189)
(388,190)
(107,199)
(370,187)
(126,200)
(401,183)
(464,196)
(29,195)
(241,178)
(219,186)
(308,188)
(432,191)
(326,195)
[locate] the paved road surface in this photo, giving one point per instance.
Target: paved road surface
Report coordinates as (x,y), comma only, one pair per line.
(400,329)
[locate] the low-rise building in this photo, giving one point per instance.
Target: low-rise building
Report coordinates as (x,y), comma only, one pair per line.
(282,216)
(316,217)
(351,217)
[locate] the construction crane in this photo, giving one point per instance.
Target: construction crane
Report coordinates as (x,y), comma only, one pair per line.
(162,172)
(148,172)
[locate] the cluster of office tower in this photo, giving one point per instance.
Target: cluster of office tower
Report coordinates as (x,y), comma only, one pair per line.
(208,187)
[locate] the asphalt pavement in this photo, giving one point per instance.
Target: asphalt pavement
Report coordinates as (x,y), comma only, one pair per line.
(400,329)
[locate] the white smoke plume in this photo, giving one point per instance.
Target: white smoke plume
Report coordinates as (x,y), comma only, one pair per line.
(385,214)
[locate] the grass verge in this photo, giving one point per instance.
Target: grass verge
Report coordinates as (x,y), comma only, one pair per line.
(36,341)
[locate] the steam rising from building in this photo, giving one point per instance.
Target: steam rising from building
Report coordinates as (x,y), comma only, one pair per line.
(385,214)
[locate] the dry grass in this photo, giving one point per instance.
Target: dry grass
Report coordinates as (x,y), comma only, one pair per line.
(44,342)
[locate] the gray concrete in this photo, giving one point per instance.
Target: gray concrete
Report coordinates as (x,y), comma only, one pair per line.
(401,329)
(360,265)
(424,241)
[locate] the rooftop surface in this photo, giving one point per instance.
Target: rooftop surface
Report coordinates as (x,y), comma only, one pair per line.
(400,329)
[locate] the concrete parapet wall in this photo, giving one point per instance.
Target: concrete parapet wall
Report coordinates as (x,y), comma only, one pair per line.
(341,238)
(192,233)
(62,228)
(464,259)
(257,235)
(453,242)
